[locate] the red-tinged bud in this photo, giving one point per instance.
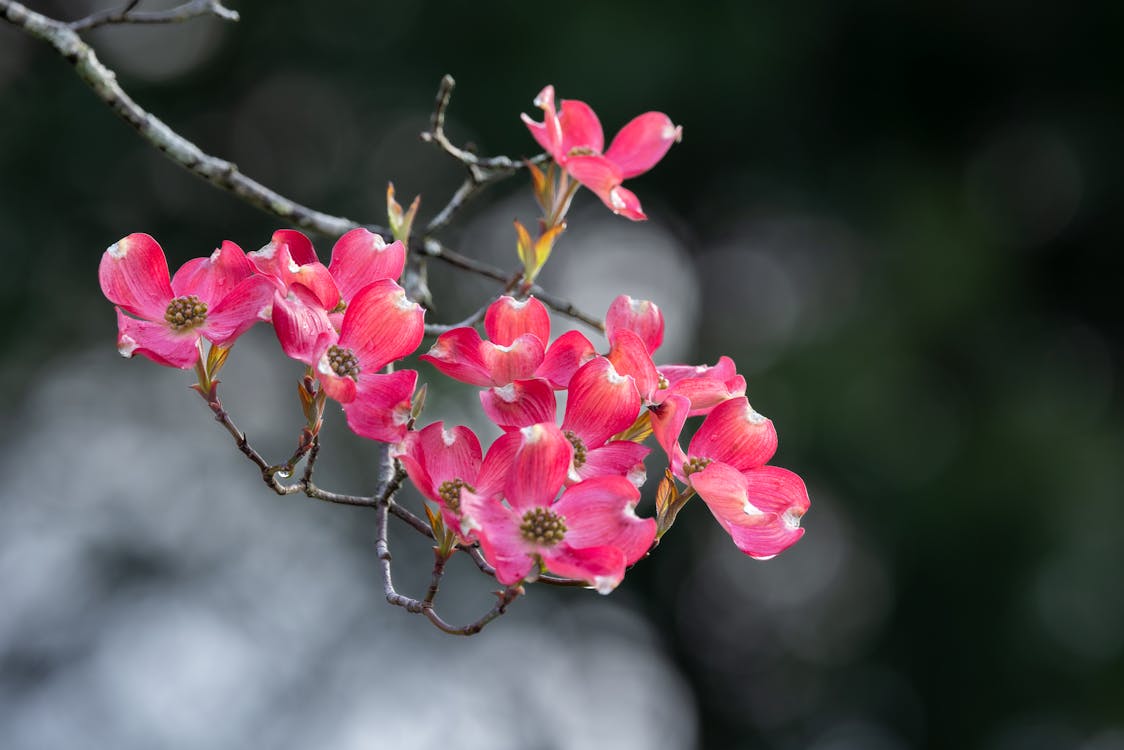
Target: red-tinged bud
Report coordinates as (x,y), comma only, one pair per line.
(534,253)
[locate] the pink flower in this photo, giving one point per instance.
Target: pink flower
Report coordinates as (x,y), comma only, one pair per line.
(600,403)
(574,139)
(518,331)
(591,533)
(759,506)
(380,326)
(216,298)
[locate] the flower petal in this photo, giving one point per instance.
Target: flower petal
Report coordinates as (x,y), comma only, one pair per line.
(615,458)
(667,421)
(301,325)
(361,257)
(520,403)
(760,509)
(637,315)
(508,318)
(249,302)
(548,133)
(630,356)
(382,325)
(601,512)
(381,407)
(642,143)
(210,279)
(569,351)
(497,529)
(457,354)
(735,434)
(539,467)
(581,129)
(434,455)
(133,274)
(300,247)
(601,403)
(517,361)
(156,341)
(601,567)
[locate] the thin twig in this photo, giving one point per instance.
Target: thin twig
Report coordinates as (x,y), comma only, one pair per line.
(481,171)
(128,14)
(434,249)
(218,172)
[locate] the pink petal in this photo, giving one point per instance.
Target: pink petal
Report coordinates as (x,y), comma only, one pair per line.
(637,315)
(569,351)
(382,325)
(302,326)
(496,467)
(630,356)
(548,133)
(508,318)
(249,302)
(601,512)
(604,178)
(497,529)
(539,467)
(440,455)
(667,421)
(300,247)
(517,361)
(601,403)
(457,354)
(361,257)
(735,434)
(210,279)
(705,386)
(760,509)
(581,129)
(642,143)
(520,403)
(133,274)
(381,407)
(615,458)
(156,341)
(601,567)
(316,278)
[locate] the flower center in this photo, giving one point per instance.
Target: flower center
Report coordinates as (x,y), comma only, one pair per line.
(690,466)
(663,383)
(582,151)
(450,492)
(543,527)
(343,362)
(579,448)
(185,312)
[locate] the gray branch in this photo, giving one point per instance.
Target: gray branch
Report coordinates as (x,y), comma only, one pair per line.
(129,14)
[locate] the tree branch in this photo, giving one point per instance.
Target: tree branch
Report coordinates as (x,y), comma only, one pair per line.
(218,172)
(128,14)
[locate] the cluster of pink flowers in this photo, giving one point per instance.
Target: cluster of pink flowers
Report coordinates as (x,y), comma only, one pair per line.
(564,495)
(547,496)
(346,320)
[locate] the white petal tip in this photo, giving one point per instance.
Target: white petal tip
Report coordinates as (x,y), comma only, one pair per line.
(604,585)
(126,345)
(117,250)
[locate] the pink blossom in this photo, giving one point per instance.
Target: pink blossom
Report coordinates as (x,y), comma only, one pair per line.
(760,506)
(380,326)
(216,298)
(574,139)
(518,331)
(590,533)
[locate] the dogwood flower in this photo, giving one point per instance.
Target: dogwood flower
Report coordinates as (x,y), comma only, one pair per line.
(573,137)
(590,533)
(216,298)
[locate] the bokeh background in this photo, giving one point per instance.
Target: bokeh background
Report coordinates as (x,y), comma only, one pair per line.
(903,220)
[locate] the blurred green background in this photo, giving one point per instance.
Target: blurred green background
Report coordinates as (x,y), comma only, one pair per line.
(903,220)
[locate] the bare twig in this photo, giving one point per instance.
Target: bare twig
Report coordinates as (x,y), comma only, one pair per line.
(481,171)
(129,14)
(218,172)
(434,249)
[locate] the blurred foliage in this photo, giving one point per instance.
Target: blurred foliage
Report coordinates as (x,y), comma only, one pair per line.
(937,185)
